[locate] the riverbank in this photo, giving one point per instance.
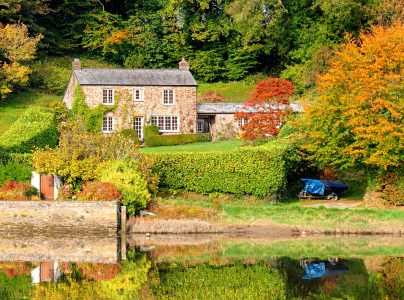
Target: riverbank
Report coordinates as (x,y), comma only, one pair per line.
(203,214)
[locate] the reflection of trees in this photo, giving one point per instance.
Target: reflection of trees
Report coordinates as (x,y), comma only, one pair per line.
(233,281)
(15,287)
(78,283)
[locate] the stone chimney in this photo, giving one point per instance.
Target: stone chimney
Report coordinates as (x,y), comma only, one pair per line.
(76,65)
(184,65)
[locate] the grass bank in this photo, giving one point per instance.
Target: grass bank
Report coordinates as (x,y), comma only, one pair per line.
(228,212)
(16,105)
(221,146)
(231,91)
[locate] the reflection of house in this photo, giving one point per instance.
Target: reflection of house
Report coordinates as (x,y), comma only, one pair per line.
(166,98)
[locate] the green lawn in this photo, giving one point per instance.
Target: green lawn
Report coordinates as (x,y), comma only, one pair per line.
(222,146)
(245,211)
(16,104)
(231,91)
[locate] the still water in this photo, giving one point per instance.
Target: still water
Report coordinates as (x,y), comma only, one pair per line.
(201,267)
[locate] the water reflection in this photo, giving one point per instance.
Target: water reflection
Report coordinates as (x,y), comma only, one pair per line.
(200,267)
(315,268)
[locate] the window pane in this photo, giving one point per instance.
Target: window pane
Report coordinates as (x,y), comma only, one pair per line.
(175,123)
(161,123)
(167,123)
(153,120)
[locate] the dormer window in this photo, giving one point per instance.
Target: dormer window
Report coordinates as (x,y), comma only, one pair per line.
(168,97)
(138,95)
(108,96)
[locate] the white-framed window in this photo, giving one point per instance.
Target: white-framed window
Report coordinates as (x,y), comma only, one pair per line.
(107,124)
(138,126)
(241,122)
(108,96)
(168,97)
(166,123)
(138,95)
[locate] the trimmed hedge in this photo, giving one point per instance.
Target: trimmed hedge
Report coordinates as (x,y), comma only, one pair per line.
(258,171)
(16,167)
(35,128)
(153,139)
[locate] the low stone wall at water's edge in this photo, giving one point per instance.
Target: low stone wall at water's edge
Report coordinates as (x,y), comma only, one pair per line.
(55,216)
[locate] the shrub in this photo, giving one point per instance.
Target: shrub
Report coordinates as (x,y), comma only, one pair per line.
(126,177)
(130,133)
(79,152)
(99,191)
(14,170)
(176,139)
(35,128)
(151,130)
(153,139)
(14,190)
(258,171)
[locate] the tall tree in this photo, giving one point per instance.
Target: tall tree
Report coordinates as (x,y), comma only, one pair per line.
(16,47)
(358,117)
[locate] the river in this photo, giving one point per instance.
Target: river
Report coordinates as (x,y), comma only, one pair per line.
(201,267)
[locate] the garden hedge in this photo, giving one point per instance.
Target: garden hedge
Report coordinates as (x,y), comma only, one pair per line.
(153,139)
(258,171)
(35,128)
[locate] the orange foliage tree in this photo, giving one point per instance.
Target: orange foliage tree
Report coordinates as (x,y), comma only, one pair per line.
(266,109)
(357,119)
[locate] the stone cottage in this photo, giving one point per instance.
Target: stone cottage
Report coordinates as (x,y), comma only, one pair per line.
(139,97)
(166,98)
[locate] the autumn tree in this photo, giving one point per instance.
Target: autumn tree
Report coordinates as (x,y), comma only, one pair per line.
(16,48)
(266,109)
(357,119)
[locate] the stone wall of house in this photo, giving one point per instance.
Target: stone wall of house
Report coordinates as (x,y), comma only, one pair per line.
(224,127)
(59,216)
(66,248)
(68,97)
(184,106)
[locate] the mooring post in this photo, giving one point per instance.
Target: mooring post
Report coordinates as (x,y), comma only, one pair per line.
(123,232)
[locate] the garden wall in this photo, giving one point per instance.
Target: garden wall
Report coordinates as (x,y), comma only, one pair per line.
(58,216)
(66,248)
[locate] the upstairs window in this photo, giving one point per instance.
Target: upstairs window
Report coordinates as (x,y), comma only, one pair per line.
(168,97)
(138,95)
(108,96)
(107,124)
(166,123)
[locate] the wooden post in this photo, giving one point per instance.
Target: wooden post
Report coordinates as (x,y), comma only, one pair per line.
(123,232)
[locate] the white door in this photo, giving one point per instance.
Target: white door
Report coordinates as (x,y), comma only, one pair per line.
(138,126)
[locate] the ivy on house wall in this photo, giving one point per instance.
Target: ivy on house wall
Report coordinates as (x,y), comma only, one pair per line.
(92,116)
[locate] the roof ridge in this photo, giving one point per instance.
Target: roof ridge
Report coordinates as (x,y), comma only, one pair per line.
(138,69)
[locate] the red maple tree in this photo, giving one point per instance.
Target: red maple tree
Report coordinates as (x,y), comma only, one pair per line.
(265,110)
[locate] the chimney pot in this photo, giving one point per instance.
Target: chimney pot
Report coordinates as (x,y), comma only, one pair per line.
(76,65)
(184,65)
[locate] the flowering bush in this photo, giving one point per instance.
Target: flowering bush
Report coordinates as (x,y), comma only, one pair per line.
(14,190)
(99,191)
(66,192)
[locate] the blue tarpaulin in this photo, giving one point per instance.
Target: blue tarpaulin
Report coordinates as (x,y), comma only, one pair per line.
(314,270)
(323,187)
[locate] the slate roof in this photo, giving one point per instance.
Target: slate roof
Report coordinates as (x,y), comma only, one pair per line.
(231,108)
(135,77)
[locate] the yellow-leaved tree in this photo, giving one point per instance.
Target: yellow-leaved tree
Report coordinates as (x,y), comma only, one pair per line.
(16,48)
(357,119)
